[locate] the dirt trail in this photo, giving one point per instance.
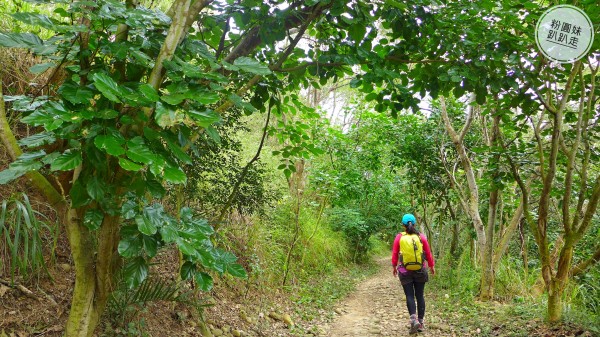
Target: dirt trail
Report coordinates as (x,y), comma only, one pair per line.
(378,308)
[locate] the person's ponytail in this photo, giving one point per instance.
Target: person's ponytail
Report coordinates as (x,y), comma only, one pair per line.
(410,228)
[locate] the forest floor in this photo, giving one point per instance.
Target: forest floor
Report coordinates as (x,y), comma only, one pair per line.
(377,308)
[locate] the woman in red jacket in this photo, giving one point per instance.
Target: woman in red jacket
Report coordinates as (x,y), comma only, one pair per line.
(413,281)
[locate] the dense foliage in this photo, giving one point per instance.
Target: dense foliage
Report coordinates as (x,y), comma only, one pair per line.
(456,117)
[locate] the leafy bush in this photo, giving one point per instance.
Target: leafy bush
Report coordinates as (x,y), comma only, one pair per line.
(355,228)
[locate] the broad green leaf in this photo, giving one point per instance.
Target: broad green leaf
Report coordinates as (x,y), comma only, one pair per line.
(165,116)
(237,100)
(177,152)
(34,19)
(213,134)
(96,188)
(205,281)
(130,246)
(174,175)
(41,67)
(188,270)
(111,144)
(150,245)
(207,259)
(186,247)
(155,188)
(237,270)
(174,99)
(20,40)
(128,165)
(229,66)
(28,161)
(69,160)
(204,97)
(169,233)
(107,86)
(129,209)
(135,272)
(39,139)
(204,118)
(251,65)
(79,195)
(76,94)
(148,91)
(145,226)
(9,175)
(138,151)
(93,219)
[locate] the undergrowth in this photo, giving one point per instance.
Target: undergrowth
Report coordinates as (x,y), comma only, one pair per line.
(516,309)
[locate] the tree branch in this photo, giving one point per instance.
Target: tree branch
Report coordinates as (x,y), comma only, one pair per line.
(581,267)
(236,187)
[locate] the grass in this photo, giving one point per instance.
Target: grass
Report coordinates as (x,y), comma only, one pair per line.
(24,232)
(515,311)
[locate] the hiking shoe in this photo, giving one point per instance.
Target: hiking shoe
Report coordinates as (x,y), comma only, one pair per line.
(414,324)
(421,326)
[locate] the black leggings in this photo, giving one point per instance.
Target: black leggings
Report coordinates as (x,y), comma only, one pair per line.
(411,290)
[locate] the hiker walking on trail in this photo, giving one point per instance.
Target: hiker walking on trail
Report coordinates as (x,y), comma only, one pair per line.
(411,259)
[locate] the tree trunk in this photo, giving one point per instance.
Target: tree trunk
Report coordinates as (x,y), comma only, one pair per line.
(486,288)
(554,305)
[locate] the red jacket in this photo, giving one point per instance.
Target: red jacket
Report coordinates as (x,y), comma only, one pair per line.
(428,256)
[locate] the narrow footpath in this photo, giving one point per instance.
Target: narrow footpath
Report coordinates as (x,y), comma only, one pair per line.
(378,309)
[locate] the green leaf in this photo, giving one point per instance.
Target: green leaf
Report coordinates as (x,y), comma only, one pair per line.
(237,100)
(204,97)
(79,195)
(213,134)
(9,175)
(165,116)
(41,67)
(129,209)
(150,245)
(128,165)
(34,19)
(251,65)
(69,160)
(130,246)
(149,92)
(93,219)
(110,144)
(145,226)
(204,118)
(175,175)
(96,188)
(177,151)
(20,40)
(357,32)
(135,272)
(39,139)
(205,281)
(76,94)
(169,233)
(186,247)
(138,151)
(188,270)
(107,86)
(237,270)
(155,188)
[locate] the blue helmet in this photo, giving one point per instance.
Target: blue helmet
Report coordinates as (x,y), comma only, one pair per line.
(409,218)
